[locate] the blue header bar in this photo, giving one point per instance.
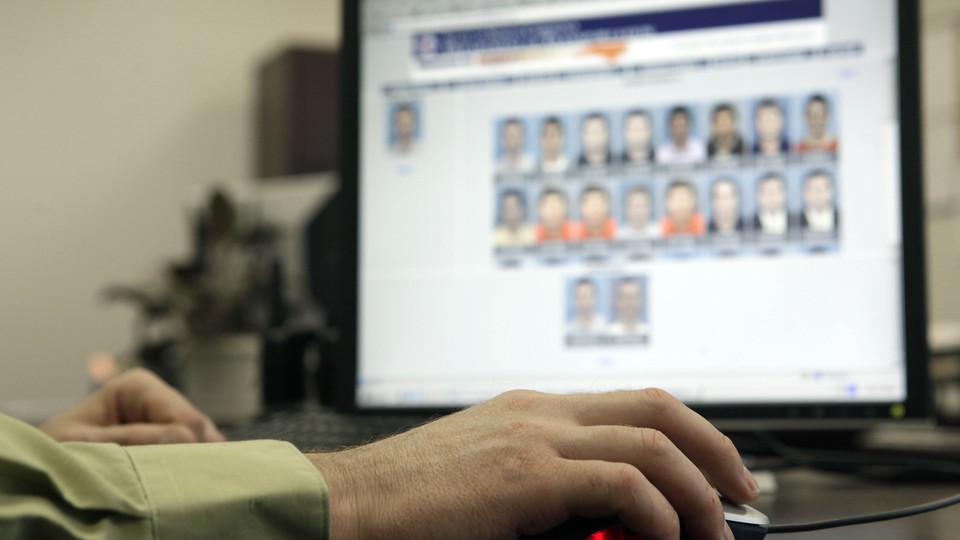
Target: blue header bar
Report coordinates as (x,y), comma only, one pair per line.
(615,27)
(408,91)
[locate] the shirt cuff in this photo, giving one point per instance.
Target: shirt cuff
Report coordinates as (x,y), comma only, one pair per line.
(255,489)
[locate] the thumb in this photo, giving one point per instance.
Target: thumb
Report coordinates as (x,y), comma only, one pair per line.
(140,434)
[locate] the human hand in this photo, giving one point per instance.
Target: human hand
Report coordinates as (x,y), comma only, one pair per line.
(134,408)
(525,462)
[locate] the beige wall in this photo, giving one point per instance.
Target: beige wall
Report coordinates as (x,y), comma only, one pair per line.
(109,110)
(941,129)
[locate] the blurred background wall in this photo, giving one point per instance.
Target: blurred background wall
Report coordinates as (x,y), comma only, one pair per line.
(941,115)
(110,110)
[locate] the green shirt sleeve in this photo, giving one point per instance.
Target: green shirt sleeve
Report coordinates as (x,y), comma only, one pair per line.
(255,490)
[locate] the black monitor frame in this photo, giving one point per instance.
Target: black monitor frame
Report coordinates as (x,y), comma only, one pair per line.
(819,415)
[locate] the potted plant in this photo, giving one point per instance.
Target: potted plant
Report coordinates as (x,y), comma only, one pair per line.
(200,326)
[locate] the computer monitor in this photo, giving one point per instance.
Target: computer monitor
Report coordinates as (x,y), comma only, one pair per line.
(721,198)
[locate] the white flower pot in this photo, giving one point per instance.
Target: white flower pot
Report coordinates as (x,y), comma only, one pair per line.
(222,376)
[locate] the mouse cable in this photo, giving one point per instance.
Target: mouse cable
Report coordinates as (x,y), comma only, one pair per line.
(856,462)
(867,518)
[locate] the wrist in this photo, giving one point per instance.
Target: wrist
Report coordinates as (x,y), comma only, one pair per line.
(344,516)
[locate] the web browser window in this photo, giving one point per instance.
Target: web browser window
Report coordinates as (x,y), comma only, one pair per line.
(593,195)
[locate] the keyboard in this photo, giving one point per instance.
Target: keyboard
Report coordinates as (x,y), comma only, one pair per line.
(313,429)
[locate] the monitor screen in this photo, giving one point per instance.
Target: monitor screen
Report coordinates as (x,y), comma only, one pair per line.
(574,196)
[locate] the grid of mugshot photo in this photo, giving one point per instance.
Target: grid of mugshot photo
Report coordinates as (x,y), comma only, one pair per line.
(676,180)
(764,130)
(607,310)
(708,214)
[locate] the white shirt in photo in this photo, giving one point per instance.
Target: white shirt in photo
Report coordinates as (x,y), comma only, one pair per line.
(559,165)
(618,329)
(593,327)
(523,164)
(652,230)
(773,222)
(692,152)
(821,220)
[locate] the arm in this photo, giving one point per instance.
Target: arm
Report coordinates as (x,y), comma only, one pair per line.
(263,489)
(78,490)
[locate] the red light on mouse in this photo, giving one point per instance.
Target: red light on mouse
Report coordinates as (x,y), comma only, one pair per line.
(617,532)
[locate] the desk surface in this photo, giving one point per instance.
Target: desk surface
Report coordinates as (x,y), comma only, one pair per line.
(804,496)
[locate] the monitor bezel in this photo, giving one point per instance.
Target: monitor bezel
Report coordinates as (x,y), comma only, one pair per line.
(798,415)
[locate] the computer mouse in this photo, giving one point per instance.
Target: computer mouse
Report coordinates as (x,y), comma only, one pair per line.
(746,523)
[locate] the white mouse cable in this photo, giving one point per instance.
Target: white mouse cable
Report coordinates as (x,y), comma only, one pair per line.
(867,518)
